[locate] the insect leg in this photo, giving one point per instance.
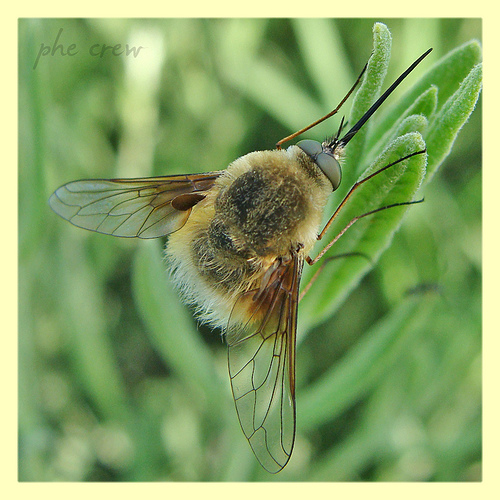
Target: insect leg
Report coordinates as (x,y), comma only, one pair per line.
(305,129)
(324,263)
(311,261)
(358,184)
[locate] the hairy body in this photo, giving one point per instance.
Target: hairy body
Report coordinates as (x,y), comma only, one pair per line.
(259,210)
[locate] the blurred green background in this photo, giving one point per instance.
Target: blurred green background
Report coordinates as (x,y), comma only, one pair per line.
(116,380)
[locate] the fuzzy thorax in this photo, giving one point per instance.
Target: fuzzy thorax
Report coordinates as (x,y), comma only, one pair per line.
(264,205)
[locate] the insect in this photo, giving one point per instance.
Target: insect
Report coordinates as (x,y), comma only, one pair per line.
(238,240)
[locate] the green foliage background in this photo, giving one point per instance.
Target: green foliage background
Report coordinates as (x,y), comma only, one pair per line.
(116,380)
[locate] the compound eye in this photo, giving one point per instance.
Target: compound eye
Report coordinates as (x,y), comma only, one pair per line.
(311,148)
(325,161)
(331,168)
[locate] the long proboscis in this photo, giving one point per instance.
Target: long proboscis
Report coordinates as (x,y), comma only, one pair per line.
(355,129)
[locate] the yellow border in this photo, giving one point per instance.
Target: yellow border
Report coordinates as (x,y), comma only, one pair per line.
(486,489)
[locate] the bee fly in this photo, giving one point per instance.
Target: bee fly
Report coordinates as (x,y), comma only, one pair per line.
(238,239)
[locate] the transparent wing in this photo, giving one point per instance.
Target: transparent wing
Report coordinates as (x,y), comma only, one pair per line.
(142,208)
(262,365)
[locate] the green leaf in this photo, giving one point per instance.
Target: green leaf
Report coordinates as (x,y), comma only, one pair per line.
(451,118)
(366,95)
(425,105)
(413,123)
(369,236)
(445,75)
(403,137)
